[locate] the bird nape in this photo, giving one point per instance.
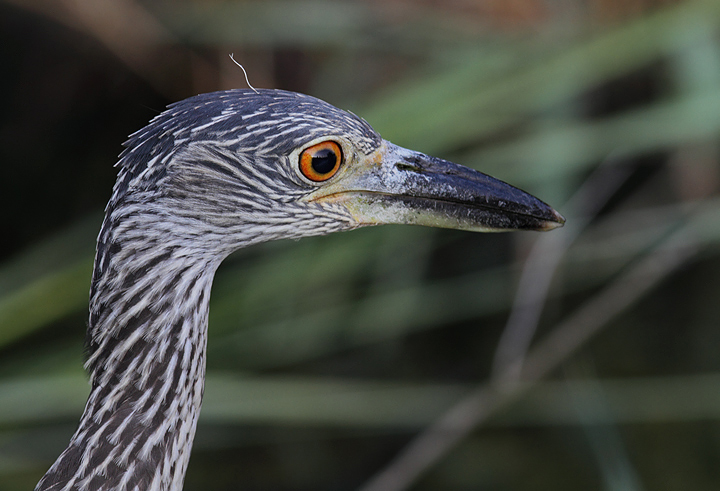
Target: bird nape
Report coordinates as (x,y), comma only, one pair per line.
(212,174)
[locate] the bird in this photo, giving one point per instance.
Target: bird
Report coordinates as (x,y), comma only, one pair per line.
(210,175)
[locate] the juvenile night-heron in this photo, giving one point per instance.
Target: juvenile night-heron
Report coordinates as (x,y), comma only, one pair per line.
(212,174)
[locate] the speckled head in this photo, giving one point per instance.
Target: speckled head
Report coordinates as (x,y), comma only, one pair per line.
(231,160)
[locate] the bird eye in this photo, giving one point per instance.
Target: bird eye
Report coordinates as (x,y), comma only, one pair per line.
(321,161)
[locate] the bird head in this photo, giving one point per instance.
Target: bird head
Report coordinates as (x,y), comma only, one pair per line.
(240,167)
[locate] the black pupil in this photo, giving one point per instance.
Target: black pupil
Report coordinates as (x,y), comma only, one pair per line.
(324,161)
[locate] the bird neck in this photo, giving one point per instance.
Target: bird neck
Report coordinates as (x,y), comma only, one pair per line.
(146,342)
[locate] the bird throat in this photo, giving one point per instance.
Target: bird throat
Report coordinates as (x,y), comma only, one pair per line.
(147,343)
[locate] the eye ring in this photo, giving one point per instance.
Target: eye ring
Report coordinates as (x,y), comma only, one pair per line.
(321,161)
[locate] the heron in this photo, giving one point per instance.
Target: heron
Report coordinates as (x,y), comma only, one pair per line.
(212,174)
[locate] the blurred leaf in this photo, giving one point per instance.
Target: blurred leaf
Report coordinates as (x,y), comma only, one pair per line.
(239,399)
(436,117)
(45,300)
(574,146)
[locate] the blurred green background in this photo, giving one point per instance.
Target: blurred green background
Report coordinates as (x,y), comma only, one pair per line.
(587,358)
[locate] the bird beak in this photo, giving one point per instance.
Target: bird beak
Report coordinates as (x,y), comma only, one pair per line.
(396,185)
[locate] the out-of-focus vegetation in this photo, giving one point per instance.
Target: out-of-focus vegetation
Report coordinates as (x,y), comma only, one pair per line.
(397,357)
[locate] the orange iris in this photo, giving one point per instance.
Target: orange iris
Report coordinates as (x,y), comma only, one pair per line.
(321,161)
